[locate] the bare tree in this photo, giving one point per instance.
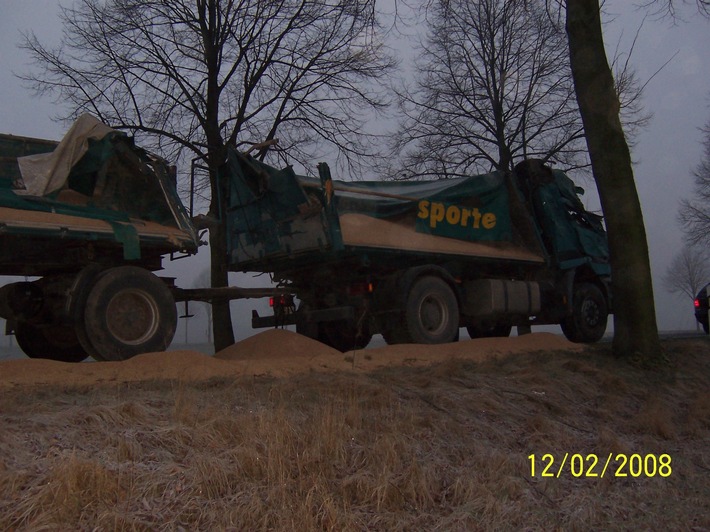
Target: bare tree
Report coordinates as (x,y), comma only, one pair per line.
(688,272)
(198,75)
(674,8)
(635,327)
(694,213)
(493,85)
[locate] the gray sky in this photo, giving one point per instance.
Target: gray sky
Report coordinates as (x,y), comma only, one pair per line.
(667,151)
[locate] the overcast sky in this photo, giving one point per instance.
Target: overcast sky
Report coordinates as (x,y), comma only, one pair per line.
(667,151)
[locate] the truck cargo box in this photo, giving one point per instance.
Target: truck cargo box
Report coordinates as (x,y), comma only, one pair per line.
(92,194)
(278,220)
(416,261)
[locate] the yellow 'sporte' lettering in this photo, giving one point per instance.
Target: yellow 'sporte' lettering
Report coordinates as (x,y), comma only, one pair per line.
(489,220)
(423,209)
(437,214)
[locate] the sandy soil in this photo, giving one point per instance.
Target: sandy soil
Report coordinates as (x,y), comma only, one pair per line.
(275,353)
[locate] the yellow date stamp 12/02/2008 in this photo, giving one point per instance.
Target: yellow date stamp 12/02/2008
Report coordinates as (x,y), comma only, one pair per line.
(591,465)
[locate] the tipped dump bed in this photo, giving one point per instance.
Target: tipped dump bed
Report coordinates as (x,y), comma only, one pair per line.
(94,193)
(281,222)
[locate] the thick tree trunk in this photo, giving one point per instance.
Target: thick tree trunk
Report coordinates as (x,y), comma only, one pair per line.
(216,155)
(222,330)
(635,329)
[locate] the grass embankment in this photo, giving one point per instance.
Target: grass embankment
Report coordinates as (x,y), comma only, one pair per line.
(443,447)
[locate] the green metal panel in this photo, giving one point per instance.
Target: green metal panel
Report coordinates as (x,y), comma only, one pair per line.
(118,181)
(278,220)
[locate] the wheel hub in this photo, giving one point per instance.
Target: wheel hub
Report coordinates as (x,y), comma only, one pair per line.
(132,316)
(590,311)
(433,314)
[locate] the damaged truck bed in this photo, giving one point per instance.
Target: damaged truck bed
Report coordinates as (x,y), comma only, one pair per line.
(106,200)
(89,218)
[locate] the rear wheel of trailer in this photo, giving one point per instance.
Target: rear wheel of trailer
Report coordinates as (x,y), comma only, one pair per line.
(127,311)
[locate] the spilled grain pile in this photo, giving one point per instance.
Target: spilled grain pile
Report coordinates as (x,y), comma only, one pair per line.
(276,353)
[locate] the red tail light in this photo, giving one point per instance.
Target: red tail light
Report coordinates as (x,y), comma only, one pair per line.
(696,303)
(283,301)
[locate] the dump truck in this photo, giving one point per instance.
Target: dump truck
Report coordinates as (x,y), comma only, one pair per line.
(88,222)
(417,260)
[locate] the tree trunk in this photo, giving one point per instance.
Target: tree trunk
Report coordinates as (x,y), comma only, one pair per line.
(635,329)
(216,156)
(222,330)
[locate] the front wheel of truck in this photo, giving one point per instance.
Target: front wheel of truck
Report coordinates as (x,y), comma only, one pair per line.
(587,323)
(128,311)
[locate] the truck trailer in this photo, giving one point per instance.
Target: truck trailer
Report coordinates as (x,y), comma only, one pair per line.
(86,221)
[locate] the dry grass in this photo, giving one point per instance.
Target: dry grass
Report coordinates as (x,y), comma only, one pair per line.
(438,448)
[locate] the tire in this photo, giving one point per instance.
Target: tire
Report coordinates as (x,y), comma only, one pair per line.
(128,311)
(705,326)
(55,342)
(394,335)
(431,314)
(587,324)
(343,335)
(494,331)
(77,305)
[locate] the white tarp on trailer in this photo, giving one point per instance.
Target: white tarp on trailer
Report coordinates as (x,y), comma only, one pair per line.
(45,173)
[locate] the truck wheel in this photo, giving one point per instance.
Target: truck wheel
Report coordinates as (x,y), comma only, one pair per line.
(587,324)
(83,284)
(494,331)
(55,342)
(343,335)
(392,335)
(129,311)
(431,313)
